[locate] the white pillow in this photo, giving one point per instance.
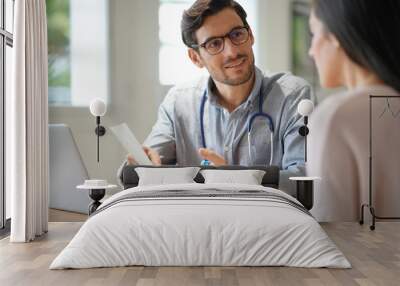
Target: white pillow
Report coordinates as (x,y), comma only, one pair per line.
(248,177)
(164,176)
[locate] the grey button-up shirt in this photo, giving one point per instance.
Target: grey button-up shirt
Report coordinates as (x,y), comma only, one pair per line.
(177,134)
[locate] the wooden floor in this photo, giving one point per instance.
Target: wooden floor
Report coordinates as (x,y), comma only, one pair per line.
(54,216)
(375,257)
(63,216)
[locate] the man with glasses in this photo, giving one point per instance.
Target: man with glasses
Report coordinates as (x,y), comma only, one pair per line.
(210,118)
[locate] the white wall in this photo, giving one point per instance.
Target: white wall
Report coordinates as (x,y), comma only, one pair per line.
(134,86)
(274,35)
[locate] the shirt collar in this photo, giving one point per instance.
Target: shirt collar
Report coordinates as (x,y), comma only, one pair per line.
(255,92)
(251,99)
(212,97)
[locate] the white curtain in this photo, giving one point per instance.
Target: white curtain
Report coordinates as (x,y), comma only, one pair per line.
(27,123)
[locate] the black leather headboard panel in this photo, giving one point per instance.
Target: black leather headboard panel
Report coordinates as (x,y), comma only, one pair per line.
(130,178)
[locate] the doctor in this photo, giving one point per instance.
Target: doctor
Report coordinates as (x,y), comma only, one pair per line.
(237,115)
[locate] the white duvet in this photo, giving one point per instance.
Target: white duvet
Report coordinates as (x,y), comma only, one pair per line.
(200,231)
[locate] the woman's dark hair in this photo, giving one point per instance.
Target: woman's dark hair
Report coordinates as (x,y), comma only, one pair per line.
(368,31)
(193,18)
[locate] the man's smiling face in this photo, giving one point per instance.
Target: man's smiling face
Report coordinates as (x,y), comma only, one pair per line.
(234,65)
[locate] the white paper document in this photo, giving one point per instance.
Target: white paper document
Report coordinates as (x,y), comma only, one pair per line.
(130,143)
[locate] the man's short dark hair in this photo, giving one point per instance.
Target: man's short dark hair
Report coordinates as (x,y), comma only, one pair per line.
(194,17)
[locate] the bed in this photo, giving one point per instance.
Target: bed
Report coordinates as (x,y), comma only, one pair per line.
(201,224)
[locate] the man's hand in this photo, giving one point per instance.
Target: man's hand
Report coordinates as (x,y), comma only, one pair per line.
(151,153)
(211,156)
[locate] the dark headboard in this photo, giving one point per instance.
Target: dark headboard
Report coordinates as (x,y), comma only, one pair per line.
(130,178)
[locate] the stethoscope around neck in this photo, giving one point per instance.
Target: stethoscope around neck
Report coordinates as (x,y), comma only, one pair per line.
(250,121)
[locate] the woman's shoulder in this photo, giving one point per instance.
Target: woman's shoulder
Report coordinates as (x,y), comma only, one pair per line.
(346,106)
(326,111)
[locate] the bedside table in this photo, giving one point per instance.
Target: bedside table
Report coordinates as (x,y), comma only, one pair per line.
(97,190)
(305,190)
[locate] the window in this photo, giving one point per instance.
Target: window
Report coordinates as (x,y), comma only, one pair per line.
(78,61)
(302,64)
(58,30)
(6,43)
(174,65)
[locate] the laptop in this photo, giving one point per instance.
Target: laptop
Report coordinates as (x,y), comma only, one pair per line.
(67,170)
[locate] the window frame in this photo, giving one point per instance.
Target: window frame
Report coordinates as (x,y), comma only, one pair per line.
(6,39)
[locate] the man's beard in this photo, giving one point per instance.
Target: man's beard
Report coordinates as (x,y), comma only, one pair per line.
(238,81)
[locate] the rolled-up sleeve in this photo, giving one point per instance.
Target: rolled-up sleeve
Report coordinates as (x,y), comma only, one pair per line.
(293,143)
(163,136)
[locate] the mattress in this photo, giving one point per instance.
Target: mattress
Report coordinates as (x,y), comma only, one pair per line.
(201,225)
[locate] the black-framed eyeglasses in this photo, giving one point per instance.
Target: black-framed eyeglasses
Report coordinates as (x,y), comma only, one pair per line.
(216,45)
